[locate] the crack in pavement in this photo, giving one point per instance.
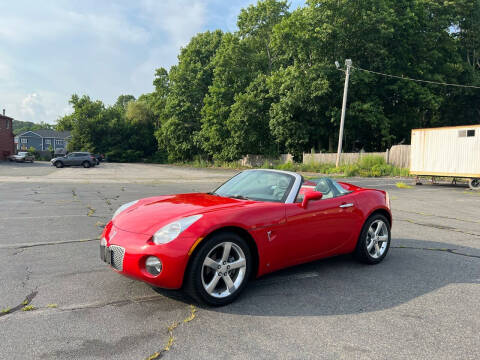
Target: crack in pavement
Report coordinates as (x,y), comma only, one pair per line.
(107,199)
(28,272)
(438,216)
(80,307)
(441,227)
(451,251)
(26,302)
(49,243)
(171,338)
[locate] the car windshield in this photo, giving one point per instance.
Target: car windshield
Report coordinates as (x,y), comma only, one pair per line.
(260,185)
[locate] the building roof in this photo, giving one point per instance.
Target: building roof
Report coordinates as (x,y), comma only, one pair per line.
(5,117)
(46,133)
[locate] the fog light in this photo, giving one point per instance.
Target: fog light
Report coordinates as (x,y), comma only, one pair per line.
(153,265)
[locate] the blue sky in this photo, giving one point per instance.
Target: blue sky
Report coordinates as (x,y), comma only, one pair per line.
(51,49)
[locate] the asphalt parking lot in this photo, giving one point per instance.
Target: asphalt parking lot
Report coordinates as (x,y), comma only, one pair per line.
(422,302)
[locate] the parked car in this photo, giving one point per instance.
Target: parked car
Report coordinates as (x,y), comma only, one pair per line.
(98,158)
(22,156)
(84,159)
(259,221)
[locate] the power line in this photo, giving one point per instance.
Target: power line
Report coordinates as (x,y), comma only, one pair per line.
(417,80)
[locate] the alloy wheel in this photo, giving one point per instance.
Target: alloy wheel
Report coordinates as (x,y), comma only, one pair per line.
(377,239)
(223,270)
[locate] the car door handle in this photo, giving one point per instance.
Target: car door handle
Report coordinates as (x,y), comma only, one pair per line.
(346,205)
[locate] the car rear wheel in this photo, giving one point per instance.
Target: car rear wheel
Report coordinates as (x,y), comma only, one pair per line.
(219,270)
(474,184)
(86,164)
(58,164)
(374,240)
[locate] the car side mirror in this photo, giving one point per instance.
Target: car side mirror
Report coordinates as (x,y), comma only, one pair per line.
(310,196)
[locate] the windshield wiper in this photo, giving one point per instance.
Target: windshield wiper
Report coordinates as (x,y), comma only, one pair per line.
(241,197)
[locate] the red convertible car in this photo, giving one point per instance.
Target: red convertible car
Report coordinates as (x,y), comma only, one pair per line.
(259,221)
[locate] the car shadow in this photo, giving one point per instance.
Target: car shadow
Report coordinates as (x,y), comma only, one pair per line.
(340,285)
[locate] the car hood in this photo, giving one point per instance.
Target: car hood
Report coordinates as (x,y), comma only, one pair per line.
(150,214)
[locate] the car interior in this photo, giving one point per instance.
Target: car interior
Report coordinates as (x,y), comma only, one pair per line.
(328,187)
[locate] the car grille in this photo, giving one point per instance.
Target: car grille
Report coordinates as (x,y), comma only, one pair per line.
(118,253)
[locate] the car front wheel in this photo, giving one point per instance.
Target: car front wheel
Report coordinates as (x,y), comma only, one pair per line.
(58,164)
(219,270)
(86,164)
(374,240)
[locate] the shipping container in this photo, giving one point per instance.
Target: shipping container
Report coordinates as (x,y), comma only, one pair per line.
(447,152)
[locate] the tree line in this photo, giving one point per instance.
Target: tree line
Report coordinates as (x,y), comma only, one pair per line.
(272,86)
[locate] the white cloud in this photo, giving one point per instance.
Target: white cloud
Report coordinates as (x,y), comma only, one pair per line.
(179,19)
(33,107)
(99,48)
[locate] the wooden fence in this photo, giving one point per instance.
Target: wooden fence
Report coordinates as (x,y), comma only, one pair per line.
(331,158)
(397,155)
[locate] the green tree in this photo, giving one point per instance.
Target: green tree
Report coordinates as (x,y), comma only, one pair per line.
(249,119)
(141,125)
(234,67)
(295,115)
(188,83)
(256,23)
(124,100)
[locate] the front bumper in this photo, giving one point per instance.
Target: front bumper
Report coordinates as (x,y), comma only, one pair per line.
(126,253)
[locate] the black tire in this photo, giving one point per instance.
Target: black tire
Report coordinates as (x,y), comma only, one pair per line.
(86,164)
(193,284)
(474,184)
(58,164)
(362,253)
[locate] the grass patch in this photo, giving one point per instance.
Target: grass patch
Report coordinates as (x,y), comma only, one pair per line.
(192,315)
(5,311)
(472,192)
(52,306)
(402,185)
(100,224)
(367,166)
(28,308)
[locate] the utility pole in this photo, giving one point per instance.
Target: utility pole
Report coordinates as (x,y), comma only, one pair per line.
(348,63)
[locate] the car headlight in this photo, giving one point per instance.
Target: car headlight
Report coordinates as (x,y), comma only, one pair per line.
(123,208)
(171,231)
